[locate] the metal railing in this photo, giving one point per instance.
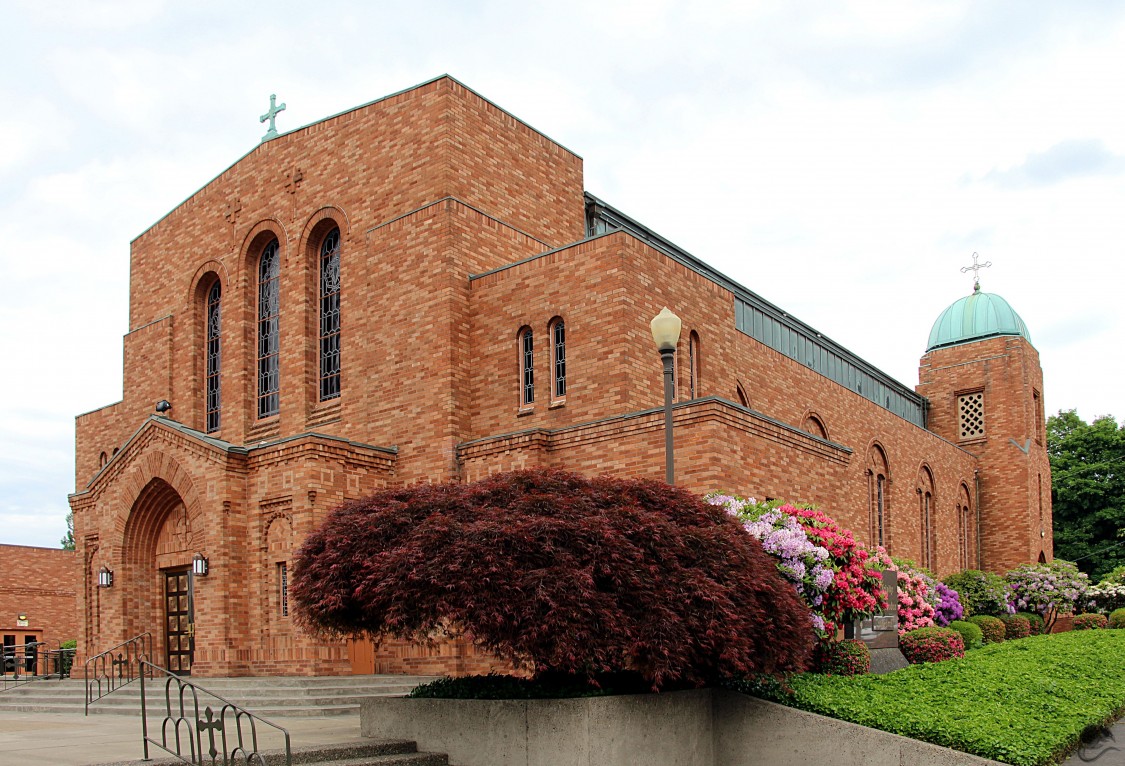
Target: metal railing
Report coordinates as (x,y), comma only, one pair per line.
(116,667)
(231,733)
(39,660)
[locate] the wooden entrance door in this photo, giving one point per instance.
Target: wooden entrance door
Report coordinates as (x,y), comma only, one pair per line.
(179,624)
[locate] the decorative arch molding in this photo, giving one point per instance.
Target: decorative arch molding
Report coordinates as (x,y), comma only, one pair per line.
(740,394)
(199,284)
(316,221)
(814,424)
(927,515)
(143,502)
(275,518)
(877,458)
(256,238)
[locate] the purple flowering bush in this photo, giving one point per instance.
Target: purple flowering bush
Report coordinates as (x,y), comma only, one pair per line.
(948,607)
(1047,589)
(798,559)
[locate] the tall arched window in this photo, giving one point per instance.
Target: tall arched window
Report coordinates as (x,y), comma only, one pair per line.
(967,529)
(269,316)
(878,472)
(693,365)
(558,359)
(330,316)
(213,385)
(527,366)
(926,516)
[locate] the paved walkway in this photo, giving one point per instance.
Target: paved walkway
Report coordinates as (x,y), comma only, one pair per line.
(1105,751)
(71,739)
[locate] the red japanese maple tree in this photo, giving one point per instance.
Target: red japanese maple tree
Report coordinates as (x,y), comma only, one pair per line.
(556,572)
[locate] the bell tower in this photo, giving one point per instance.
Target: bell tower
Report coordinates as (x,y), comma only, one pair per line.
(984,384)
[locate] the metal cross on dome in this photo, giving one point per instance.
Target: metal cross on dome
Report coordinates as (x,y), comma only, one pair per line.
(271,115)
(975,268)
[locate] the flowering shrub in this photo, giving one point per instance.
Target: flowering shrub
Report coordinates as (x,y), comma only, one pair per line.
(914,611)
(1015,626)
(1105,597)
(1117,618)
(842,658)
(1115,577)
(1035,621)
(970,633)
(798,560)
(1090,622)
(931,645)
(1047,589)
(990,627)
(980,592)
(948,604)
(853,590)
(556,572)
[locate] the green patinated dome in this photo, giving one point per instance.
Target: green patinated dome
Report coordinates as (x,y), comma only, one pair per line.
(976,317)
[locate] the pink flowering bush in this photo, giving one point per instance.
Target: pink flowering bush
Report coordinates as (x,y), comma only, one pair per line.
(914,610)
(839,587)
(842,658)
(931,645)
(1091,622)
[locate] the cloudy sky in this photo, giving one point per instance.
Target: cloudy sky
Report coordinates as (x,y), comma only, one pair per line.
(843,160)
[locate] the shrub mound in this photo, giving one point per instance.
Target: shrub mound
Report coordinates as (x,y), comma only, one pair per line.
(931,645)
(980,592)
(842,658)
(1090,622)
(970,633)
(1035,620)
(1117,618)
(991,627)
(1015,626)
(554,571)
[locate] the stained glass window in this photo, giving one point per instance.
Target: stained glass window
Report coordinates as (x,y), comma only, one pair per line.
(269,315)
(330,316)
(527,362)
(214,357)
(558,336)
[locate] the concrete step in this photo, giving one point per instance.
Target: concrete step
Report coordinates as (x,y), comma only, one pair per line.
(366,752)
(276,696)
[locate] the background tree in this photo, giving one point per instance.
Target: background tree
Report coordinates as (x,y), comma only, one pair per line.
(67,541)
(1088,490)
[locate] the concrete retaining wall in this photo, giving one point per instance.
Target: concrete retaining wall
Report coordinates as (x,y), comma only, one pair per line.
(692,728)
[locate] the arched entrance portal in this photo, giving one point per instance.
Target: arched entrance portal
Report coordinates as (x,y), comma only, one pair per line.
(159,544)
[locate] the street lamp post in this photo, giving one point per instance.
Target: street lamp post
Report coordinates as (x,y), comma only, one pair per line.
(666,334)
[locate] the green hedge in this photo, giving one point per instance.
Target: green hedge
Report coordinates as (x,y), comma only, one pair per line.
(992,628)
(1022,702)
(970,633)
(1117,618)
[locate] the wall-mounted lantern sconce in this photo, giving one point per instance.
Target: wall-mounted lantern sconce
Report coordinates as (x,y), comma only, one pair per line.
(199,565)
(105,578)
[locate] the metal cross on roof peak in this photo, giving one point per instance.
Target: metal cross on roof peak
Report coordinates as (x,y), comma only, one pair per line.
(975,268)
(271,115)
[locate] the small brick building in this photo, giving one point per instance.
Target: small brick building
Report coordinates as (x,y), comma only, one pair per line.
(37,601)
(419,289)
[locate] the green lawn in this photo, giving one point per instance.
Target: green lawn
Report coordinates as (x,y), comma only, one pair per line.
(1024,702)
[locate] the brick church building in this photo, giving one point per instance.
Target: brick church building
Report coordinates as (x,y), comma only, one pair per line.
(420,289)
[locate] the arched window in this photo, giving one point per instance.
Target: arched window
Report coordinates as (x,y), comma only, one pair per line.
(815,426)
(527,367)
(102,460)
(740,392)
(693,366)
(558,358)
(269,315)
(877,473)
(966,528)
(213,351)
(330,316)
(926,516)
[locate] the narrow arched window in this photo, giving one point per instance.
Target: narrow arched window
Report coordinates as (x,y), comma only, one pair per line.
(558,358)
(927,530)
(330,316)
(880,508)
(527,367)
(212,386)
(693,365)
(269,316)
(741,393)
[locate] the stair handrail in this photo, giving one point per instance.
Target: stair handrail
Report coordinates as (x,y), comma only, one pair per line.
(111,672)
(183,725)
(19,661)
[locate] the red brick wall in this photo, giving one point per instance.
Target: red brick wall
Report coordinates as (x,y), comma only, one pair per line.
(39,583)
